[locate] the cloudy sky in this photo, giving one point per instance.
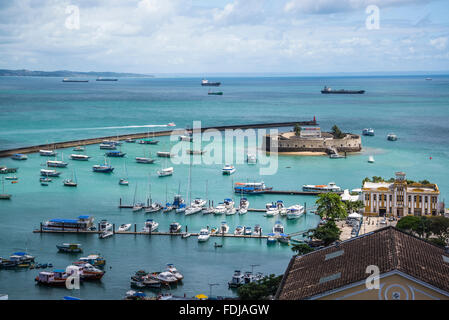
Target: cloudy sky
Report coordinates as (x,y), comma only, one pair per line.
(209,36)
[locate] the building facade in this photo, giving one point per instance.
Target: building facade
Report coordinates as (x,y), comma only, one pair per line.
(399,198)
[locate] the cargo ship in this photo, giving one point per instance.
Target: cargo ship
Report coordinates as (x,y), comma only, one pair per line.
(205,82)
(72,80)
(327,90)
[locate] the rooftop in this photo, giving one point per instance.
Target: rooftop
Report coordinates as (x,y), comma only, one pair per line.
(343,264)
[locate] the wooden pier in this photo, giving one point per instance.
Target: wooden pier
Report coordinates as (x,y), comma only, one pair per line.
(74,143)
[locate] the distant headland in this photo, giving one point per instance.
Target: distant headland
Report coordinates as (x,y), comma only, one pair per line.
(67,73)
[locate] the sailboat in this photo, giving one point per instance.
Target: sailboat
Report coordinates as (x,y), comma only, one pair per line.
(371,159)
(168,206)
(70,182)
(209,209)
(137,206)
(153,207)
(165,171)
(195,206)
(124,181)
(3,195)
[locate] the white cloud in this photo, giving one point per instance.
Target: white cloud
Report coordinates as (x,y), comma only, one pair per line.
(439,43)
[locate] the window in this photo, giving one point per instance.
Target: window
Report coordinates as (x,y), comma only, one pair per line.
(425,199)
(367,196)
(375,197)
(414,198)
(409,211)
(391,198)
(409,198)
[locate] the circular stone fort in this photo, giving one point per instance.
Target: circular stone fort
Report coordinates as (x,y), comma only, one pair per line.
(312,139)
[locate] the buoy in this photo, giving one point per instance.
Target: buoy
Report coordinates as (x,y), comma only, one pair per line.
(430,158)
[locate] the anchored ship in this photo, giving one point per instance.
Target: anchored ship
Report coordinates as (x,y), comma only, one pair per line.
(327,90)
(205,82)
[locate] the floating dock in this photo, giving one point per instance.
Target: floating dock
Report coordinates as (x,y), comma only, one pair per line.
(74,143)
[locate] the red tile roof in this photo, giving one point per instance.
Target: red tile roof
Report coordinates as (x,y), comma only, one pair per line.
(343,264)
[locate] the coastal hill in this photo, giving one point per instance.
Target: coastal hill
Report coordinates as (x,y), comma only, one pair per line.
(67,73)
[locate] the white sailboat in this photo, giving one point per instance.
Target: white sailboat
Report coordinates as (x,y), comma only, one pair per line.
(371,159)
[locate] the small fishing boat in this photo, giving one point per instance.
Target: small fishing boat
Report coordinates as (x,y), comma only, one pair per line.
(171,268)
(165,172)
(204,235)
(56,164)
(228,169)
(130,140)
(148,141)
(150,226)
(238,230)
(79,157)
(295,211)
(115,154)
(69,247)
(49,173)
(47,153)
(138,206)
(123,182)
(144,160)
(257,230)
(124,227)
(164,154)
(93,259)
(57,278)
(175,227)
(371,159)
(271,238)
(278,228)
(14,178)
(19,156)
(78,148)
(224,228)
(237,280)
(368,132)
(392,137)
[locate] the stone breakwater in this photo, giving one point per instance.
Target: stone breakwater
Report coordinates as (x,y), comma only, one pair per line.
(289,142)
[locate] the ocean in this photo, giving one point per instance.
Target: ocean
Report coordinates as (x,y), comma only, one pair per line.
(38,110)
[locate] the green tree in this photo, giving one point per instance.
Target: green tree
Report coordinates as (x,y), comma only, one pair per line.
(423,228)
(297,129)
(328,233)
(330,206)
(377,179)
(366,180)
(337,133)
(353,206)
(409,223)
(424,182)
(301,248)
(261,289)
(439,226)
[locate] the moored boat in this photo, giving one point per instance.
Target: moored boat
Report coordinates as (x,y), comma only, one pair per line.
(171,268)
(392,137)
(19,156)
(93,259)
(50,173)
(124,227)
(237,280)
(83,223)
(224,228)
(56,163)
(295,211)
(150,226)
(69,247)
(115,154)
(103,168)
(368,132)
(164,154)
(165,172)
(144,160)
(204,235)
(175,227)
(79,157)
(47,153)
(207,83)
(228,169)
(57,278)
(331,187)
(251,187)
(278,228)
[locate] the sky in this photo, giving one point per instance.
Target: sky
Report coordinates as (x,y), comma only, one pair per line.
(227,36)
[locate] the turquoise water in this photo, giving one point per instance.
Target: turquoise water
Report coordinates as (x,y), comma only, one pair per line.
(41,110)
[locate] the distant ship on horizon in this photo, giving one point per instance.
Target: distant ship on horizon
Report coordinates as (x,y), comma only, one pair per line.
(73,80)
(206,82)
(106,79)
(327,90)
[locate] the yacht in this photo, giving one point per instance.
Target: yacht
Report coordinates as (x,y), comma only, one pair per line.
(115,154)
(278,228)
(295,211)
(47,153)
(257,230)
(153,207)
(103,168)
(108,146)
(49,173)
(281,208)
(228,169)
(271,210)
(368,132)
(392,137)
(105,226)
(175,227)
(239,230)
(69,183)
(192,210)
(144,160)
(150,226)
(238,279)
(220,209)
(331,187)
(56,163)
(204,235)
(166,277)
(138,207)
(124,227)
(171,268)
(165,172)
(79,157)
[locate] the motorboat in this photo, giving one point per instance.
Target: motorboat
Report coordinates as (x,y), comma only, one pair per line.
(88,272)
(271,210)
(78,148)
(239,230)
(181,208)
(165,277)
(50,173)
(171,268)
(271,239)
(47,153)
(195,152)
(45,179)
(124,227)
(228,169)
(220,209)
(247,231)
(175,227)
(69,183)
(281,208)
(214,230)
(130,140)
(105,226)
(123,182)
(336,156)
(368,132)
(204,235)
(278,228)
(150,226)
(108,146)
(257,230)
(242,210)
(165,172)
(153,207)
(148,141)
(207,210)
(138,206)
(93,259)
(19,156)
(198,202)
(330,187)
(238,279)
(164,154)
(56,163)
(251,187)
(371,159)
(79,157)
(244,203)
(224,228)
(115,154)
(229,204)
(187,138)
(192,210)
(251,158)
(144,160)
(295,211)
(168,207)
(106,234)
(171,124)
(283,238)
(392,137)
(177,201)
(102,168)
